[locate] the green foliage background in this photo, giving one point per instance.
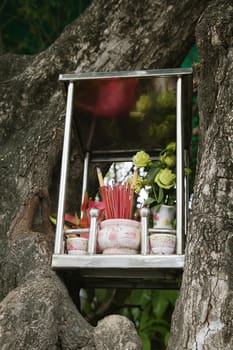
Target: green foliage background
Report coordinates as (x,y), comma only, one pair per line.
(150,311)
(28,27)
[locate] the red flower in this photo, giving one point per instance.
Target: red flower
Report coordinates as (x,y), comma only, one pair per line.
(87,205)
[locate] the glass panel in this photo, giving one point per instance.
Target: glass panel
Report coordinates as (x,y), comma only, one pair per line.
(125,113)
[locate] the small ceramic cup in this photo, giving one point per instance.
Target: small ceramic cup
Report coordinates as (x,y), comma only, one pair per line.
(77,245)
(162,243)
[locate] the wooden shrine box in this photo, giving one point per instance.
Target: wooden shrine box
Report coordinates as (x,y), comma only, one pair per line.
(102,109)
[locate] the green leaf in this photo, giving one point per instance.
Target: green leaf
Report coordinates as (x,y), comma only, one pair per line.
(145,340)
(187,171)
(160,304)
(150,201)
(171,295)
(160,195)
(136,312)
(166,338)
(145,317)
(102,294)
(140,297)
(162,330)
(151,174)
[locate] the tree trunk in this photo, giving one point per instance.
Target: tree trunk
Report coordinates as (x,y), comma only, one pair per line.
(204,312)
(36,309)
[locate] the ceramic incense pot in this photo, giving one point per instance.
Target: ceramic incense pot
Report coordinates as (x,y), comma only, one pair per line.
(119,236)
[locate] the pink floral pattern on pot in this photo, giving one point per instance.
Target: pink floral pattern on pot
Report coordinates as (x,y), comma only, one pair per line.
(162,243)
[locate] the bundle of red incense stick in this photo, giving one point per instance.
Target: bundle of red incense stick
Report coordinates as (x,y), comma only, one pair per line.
(118,199)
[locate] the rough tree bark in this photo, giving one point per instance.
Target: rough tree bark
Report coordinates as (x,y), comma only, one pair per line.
(36,310)
(204,313)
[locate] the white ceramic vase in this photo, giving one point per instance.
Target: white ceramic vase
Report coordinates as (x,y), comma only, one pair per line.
(164,216)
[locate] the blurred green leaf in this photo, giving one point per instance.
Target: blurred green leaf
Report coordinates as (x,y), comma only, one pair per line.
(145,340)
(159,303)
(166,338)
(145,317)
(101,294)
(30,26)
(152,173)
(140,296)
(171,295)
